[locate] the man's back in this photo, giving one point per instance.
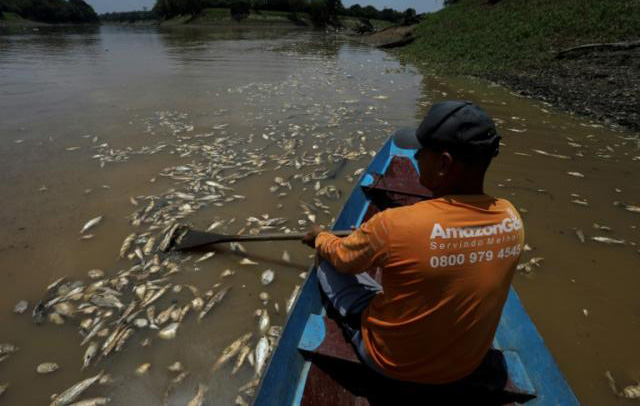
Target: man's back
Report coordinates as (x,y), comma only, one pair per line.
(446,266)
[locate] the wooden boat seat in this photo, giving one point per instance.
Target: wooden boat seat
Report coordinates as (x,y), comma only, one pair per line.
(324,342)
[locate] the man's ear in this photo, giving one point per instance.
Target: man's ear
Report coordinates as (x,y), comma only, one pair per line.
(446,163)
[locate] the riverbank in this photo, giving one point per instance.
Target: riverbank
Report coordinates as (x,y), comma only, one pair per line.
(519,44)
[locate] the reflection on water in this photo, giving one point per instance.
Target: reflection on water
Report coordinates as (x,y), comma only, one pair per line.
(82,110)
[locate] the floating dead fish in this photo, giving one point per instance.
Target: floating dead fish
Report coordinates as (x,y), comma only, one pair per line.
(90,224)
(126,244)
(633,209)
(176,367)
(601,227)
(143,369)
(263,348)
(576,174)
(95,273)
(247,261)
(92,402)
(580,202)
(286,257)
(630,392)
(205,257)
(580,235)
(215,299)
(3,388)
(21,307)
(528,266)
(242,356)
(541,152)
(75,391)
(264,322)
(240,401)
(267,277)
(169,332)
(198,399)
(607,240)
(227,272)
(231,350)
(89,354)
(47,367)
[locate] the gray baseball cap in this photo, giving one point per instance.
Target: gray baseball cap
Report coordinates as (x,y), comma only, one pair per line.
(459,127)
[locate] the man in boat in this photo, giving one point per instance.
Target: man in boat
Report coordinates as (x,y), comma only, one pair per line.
(446,263)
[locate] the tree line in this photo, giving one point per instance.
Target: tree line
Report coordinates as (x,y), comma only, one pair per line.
(51,11)
(319,10)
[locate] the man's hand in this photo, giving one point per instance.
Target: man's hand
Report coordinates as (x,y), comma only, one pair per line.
(310,238)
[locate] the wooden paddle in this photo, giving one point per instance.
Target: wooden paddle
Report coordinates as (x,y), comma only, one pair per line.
(186,239)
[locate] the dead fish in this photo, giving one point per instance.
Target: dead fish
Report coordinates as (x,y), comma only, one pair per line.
(267,277)
(264,322)
(601,227)
(217,298)
(576,174)
(580,235)
(198,399)
(541,152)
(263,348)
(126,244)
(143,369)
(89,354)
(164,315)
(242,356)
(74,391)
(633,209)
(240,401)
(247,261)
(92,402)
(3,388)
(173,384)
(286,257)
(47,368)
(91,223)
(607,240)
(630,392)
(214,225)
(231,350)
(176,367)
(528,266)
(169,332)
(21,307)
(95,273)
(205,257)
(148,246)
(264,296)
(227,272)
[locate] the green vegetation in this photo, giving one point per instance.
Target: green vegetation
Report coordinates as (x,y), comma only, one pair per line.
(129,16)
(479,37)
(49,11)
(320,12)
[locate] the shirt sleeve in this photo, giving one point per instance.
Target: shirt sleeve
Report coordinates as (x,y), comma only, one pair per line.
(362,250)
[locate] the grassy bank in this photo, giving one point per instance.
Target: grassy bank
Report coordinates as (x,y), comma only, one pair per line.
(473,36)
(515,42)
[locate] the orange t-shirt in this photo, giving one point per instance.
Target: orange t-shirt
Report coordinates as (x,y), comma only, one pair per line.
(447,265)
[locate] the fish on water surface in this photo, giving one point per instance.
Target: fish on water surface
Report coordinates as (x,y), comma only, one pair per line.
(232,350)
(198,399)
(47,368)
(90,224)
(75,391)
(629,392)
(92,402)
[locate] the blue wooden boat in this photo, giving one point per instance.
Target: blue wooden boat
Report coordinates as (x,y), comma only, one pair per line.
(314,365)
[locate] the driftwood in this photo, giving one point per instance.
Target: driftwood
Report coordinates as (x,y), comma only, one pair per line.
(602,46)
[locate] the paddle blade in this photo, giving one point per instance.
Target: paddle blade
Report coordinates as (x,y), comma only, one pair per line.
(189,239)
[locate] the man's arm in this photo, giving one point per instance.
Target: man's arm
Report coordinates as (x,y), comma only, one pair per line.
(363,249)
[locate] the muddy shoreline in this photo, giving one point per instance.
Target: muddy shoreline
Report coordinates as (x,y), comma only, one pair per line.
(602,85)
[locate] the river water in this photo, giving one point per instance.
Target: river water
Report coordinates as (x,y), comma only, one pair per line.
(107,121)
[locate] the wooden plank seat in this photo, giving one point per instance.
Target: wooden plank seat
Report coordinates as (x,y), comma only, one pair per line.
(335,362)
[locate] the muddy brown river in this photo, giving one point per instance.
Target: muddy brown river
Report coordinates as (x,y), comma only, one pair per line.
(249,130)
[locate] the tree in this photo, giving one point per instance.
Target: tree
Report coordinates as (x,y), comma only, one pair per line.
(240,10)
